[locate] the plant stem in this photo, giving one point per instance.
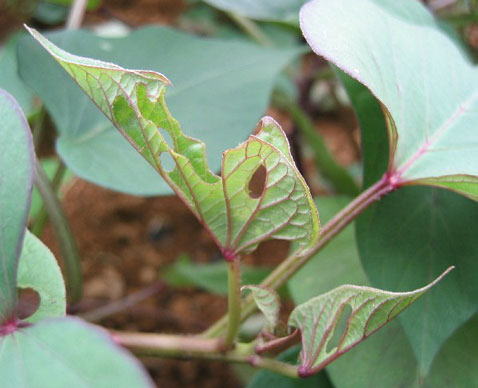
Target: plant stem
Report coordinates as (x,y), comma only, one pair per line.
(68,248)
(234,301)
(186,347)
(281,274)
(250,28)
(75,17)
(338,176)
(42,217)
(119,305)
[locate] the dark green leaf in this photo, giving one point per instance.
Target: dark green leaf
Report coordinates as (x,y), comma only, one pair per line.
(338,263)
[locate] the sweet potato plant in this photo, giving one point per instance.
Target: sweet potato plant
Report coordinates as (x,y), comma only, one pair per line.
(415,91)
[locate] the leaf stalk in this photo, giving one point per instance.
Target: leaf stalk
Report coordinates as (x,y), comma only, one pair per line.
(234,302)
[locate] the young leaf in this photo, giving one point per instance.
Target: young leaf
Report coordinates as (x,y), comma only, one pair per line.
(38,269)
(370,309)
(66,352)
(16,176)
(261,194)
(427,86)
(268,302)
(219,93)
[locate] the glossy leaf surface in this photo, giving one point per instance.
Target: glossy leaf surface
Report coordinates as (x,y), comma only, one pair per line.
(221,89)
(318,320)
(65,352)
(38,269)
(16,175)
(260,195)
(427,85)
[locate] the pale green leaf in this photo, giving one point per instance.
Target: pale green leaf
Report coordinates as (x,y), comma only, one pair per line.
(237,217)
(220,90)
(268,302)
(16,176)
(9,79)
(38,269)
(272,10)
(427,85)
(65,352)
(325,337)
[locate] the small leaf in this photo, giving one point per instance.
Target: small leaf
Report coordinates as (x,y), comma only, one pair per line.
(370,309)
(425,83)
(134,100)
(268,302)
(66,352)
(16,176)
(38,269)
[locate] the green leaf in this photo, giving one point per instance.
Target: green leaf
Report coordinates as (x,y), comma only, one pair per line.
(338,263)
(386,359)
(268,302)
(16,176)
(221,88)
(211,277)
(402,249)
(38,269)
(325,337)
(65,352)
(448,225)
(455,364)
(9,79)
(265,378)
(272,10)
(426,84)
(261,194)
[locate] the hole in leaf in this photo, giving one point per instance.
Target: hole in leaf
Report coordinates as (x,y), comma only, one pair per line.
(257,182)
(167,137)
(167,161)
(28,302)
(340,327)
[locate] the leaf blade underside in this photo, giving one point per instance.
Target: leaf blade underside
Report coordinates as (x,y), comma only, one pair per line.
(318,319)
(134,100)
(426,84)
(268,302)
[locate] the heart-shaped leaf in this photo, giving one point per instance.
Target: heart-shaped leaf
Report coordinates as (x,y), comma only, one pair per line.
(65,352)
(261,195)
(268,302)
(328,330)
(16,177)
(427,86)
(38,269)
(221,89)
